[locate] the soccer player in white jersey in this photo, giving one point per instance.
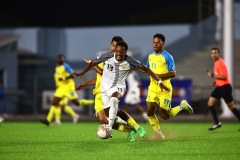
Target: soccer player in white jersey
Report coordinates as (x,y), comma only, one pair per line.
(133,94)
(115,71)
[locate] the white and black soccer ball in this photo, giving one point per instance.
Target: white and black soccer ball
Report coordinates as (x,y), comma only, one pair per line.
(103,131)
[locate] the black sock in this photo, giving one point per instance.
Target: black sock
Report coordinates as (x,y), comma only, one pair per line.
(236,113)
(214,114)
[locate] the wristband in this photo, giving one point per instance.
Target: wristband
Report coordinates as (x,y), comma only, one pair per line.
(159,82)
(212,75)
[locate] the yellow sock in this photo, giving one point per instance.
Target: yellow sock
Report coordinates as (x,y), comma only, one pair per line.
(153,120)
(133,123)
(174,111)
(123,128)
(51,113)
(69,111)
(58,114)
(86,102)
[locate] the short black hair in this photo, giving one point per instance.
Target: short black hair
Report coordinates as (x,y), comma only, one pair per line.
(60,55)
(117,39)
(160,36)
(123,44)
(215,48)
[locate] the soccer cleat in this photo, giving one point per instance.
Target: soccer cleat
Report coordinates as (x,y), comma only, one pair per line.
(141,131)
(57,122)
(158,135)
(186,106)
(132,136)
(76,118)
(215,126)
(44,121)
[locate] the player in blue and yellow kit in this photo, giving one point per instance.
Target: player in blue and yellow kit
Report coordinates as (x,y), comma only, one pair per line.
(65,89)
(162,64)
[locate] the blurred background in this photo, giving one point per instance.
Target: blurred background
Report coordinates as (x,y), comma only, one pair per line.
(33,33)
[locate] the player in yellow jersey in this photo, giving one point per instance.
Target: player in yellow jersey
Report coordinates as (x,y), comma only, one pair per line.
(64,106)
(102,113)
(162,64)
(65,88)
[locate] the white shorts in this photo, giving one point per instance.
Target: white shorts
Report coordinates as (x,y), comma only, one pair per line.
(106,95)
(133,96)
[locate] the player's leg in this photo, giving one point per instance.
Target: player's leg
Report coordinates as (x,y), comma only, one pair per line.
(134,99)
(58,113)
(124,128)
(142,111)
(67,109)
(232,107)
(86,102)
(82,102)
(211,102)
(153,121)
(130,121)
(113,103)
(152,101)
(226,93)
(127,101)
(98,106)
(54,108)
(215,96)
(102,117)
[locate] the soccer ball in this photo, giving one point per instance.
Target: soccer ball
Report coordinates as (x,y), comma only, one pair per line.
(103,131)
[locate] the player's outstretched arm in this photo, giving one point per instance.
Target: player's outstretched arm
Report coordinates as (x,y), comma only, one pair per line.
(86,69)
(85,84)
(96,68)
(154,76)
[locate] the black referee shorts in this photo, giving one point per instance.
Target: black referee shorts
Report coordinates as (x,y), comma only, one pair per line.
(224,92)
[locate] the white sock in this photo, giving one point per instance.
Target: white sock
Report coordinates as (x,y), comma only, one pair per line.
(120,120)
(112,111)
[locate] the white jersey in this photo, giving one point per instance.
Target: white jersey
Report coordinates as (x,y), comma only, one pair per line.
(133,81)
(115,72)
(133,93)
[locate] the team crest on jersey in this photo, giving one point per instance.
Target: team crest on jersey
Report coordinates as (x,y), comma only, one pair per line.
(124,67)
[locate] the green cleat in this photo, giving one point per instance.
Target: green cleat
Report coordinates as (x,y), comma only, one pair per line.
(141,131)
(132,136)
(186,106)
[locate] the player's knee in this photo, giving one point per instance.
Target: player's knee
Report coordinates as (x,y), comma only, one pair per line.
(122,114)
(150,112)
(164,114)
(113,101)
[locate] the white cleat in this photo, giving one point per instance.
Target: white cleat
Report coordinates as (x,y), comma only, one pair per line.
(76,118)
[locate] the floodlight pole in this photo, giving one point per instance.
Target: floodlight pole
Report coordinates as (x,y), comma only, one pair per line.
(228,46)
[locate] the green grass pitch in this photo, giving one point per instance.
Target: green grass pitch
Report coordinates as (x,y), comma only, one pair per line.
(33,141)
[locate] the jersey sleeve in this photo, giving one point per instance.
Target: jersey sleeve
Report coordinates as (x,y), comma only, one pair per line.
(134,63)
(103,57)
(68,68)
(170,63)
(147,63)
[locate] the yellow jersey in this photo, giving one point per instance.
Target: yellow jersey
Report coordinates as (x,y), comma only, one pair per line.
(160,64)
(97,90)
(64,71)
